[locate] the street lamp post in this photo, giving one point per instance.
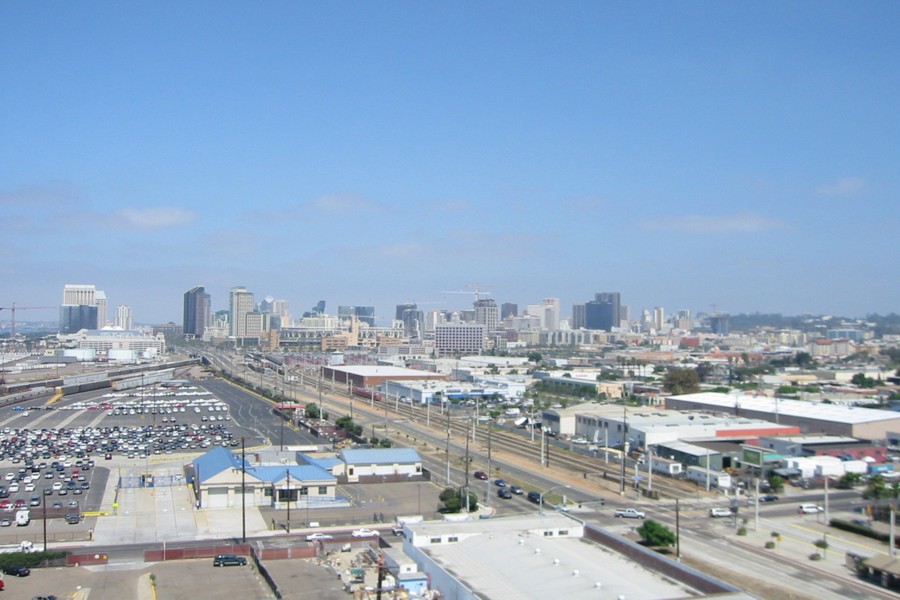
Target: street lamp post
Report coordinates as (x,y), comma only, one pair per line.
(541,500)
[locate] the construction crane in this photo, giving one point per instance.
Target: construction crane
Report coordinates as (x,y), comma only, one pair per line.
(13,310)
(478,293)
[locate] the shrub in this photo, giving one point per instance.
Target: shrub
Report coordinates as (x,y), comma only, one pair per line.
(742,531)
(770,545)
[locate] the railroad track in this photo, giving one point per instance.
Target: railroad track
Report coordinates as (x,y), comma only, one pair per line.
(517,443)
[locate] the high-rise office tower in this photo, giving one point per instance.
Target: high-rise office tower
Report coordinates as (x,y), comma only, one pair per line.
(74,295)
(551,313)
(197,308)
(508,309)
(659,317)
(487,313)
(615,300)
(366,314)
(578,316)
(412,318)
(73,319)
(601,314)
(240,304)
(124,317)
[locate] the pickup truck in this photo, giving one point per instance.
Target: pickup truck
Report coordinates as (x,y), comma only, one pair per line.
(629,513)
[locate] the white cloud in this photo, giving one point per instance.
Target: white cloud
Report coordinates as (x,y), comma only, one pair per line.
(746,223)
(156,217)
(842,187)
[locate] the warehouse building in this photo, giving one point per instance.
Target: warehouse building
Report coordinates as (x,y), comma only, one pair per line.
(809,417)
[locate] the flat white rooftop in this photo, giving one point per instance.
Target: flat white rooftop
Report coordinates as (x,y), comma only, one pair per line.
(792,408)
(508,558)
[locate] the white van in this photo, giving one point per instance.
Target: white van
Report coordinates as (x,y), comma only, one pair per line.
(810,509)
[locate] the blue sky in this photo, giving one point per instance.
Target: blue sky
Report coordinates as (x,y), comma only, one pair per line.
(684,154)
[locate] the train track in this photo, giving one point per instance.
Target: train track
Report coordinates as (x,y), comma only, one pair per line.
(517,443)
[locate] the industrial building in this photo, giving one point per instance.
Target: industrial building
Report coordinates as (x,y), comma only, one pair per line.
(809,417)
(548,556)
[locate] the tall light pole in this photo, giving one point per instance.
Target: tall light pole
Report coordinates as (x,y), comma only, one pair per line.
(288,500)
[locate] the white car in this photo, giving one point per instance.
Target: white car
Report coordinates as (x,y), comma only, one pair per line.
(810,509)
(364,533)
(318,537)
(720,512)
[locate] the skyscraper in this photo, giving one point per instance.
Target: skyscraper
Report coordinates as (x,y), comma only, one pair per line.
(240,304)
(615,301)
(578,316)
(412,318)
(124,317)
(197,306)
(551,313)
(508,309)
(74,295)
(366,314)
(487,313)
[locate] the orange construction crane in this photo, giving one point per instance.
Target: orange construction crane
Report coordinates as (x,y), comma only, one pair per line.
(13,310)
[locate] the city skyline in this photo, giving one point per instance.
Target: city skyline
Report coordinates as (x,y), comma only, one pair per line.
(686,156)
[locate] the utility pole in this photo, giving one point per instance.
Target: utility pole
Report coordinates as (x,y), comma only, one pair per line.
(487,484)
(288,500)
(243,493)
(466,488)
(448,448)
(624,445)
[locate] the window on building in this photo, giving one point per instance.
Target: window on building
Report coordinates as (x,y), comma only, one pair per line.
(436,540)
(323,490)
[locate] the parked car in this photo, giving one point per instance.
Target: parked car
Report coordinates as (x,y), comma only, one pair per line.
(517,490)
(810,509)
(499,483)
(720,512)
(318,537)
(50,597)
(504,493)
(534,497)
(768,498)
(229,560)
(481,475)
(5,522)
(17,570)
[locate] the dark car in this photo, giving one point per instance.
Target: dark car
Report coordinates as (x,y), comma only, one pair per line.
(17,570)
(504,493)
(481,475)
(500,483)
(516,490)
(229,560)
(73,518)
(768,498)
(534,497)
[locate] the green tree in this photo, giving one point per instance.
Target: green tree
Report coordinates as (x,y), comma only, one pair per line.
(656,534)
(776,483)
(682,381)
(454,500)
(804,360)
(312,411)
(535,357)
(849,480)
